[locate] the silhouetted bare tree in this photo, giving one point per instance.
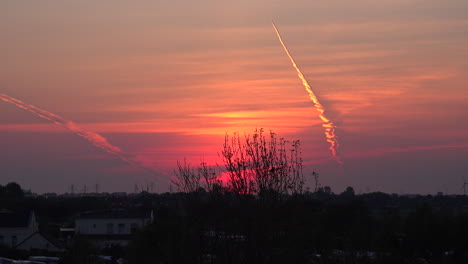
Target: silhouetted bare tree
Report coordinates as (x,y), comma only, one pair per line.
(210,177)
(187,178)
(190,179)
(254,164)
(257,164)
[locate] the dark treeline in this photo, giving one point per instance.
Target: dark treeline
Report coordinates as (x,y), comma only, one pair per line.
(11,190)
(311,228)
(314,227)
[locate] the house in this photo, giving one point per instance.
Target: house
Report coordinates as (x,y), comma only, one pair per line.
(112,227)
(20,230)
(15,227)
(38,241)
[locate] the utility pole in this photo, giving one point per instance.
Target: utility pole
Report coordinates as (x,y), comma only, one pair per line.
(464,186)
(72,189)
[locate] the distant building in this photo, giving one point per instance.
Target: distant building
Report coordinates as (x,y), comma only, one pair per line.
(49,195)
(29,194)
(20,230)
(112,227)
(15,227)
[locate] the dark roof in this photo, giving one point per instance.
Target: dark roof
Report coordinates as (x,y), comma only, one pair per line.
(108,236)
(10,219)
(52,241)
(116,213)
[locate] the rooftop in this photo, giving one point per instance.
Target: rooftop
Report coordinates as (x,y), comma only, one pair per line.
(116,213)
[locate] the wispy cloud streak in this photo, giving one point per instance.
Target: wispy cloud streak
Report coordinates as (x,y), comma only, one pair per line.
(95,139)
(326,122)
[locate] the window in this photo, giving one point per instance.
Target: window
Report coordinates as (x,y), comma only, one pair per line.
(110,228)
(94,226)
(121,228)
(133,228)
(14,241)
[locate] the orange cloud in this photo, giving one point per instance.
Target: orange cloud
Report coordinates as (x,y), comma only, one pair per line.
(386,151)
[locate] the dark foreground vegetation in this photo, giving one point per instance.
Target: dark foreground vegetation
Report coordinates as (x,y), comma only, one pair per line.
(311,228)
(223,227)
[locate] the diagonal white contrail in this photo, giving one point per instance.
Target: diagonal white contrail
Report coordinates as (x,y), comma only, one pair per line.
(326,122)
(93,138)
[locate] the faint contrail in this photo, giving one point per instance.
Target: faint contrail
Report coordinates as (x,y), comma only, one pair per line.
(326,123)
(94,138)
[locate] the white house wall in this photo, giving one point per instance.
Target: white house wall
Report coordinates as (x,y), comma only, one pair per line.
(20,233)
(99,226)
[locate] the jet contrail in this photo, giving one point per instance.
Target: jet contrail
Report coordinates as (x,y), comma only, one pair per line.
(326,123)
(94,138)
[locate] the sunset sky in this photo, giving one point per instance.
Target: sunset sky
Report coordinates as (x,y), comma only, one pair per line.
(164,80)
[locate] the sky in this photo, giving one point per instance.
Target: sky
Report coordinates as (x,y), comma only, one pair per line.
(166,80)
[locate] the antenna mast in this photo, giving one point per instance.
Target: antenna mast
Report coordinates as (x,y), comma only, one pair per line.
(464,186)
(72,189)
